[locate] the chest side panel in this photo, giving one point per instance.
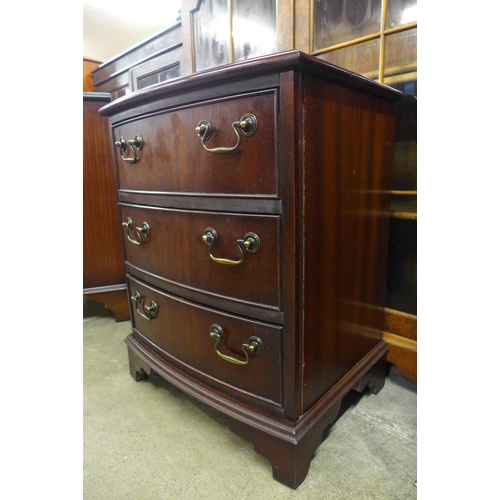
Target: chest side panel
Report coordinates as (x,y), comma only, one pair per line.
(347,148)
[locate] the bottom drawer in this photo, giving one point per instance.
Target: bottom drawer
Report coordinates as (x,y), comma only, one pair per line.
(247,358)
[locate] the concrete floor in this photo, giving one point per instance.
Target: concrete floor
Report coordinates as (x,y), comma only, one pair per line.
(147,440)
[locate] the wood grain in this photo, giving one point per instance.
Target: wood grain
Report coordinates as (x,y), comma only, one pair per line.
(102,245)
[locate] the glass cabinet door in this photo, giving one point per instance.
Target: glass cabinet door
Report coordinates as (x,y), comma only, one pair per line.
(211,33)
(254,28)
(226,31)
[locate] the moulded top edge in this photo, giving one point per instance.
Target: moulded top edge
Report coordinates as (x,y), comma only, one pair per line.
(250,68)
(137,45)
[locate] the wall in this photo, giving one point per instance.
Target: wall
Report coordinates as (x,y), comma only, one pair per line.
(88,67)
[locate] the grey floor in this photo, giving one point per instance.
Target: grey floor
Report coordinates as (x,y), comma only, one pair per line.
(147,440)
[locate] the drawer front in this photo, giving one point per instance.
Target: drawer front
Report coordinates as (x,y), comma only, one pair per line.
(181,331)
(172,157)
(175,250)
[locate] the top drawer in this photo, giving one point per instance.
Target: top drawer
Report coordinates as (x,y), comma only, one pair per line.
(173,158)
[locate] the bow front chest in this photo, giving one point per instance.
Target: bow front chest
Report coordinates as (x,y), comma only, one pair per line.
(254,202)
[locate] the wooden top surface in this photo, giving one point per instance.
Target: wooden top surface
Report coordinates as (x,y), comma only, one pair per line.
(292,60)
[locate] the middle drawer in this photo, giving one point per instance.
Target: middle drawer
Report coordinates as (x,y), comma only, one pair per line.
(231,255)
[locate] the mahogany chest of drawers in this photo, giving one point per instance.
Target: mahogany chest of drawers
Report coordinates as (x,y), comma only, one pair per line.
(254,203)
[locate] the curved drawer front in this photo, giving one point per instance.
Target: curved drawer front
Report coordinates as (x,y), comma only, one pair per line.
(174,249)
(181,330)
(172,157)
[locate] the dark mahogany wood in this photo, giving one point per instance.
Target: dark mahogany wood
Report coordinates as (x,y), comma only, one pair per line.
(315,188)
(103,266)
(177,162)
(351,137)
(114,298)
(176,251)
(180,333)
(139,369)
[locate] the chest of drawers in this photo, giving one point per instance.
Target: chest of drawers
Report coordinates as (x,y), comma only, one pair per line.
(254,201)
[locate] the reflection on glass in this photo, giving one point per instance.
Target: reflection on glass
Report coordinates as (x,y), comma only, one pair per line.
(362,58)
(343,20)
(401,53)
(211,34)
(401,291)
(160,76)
(169,73)
(404,175)
(147,81)
(254,28)
(115,94)
(401,12)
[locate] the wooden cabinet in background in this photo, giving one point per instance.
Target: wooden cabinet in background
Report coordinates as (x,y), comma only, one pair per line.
(103,267)
(152,61)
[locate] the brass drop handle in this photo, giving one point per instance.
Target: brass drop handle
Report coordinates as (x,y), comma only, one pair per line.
(247,124)
(150,312)
(250,243)
(140,232)
(135,145)
(253,346)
